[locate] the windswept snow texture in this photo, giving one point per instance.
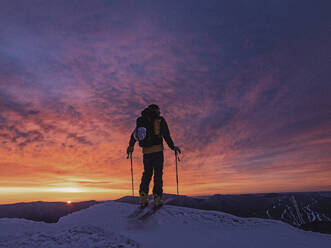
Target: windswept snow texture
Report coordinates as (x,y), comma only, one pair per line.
(78,236)
(107,225)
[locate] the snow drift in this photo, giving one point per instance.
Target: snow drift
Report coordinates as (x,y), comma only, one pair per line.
(107,225)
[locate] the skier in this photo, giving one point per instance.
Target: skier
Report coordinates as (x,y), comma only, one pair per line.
(150,130)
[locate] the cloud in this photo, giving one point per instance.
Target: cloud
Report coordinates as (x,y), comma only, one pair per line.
(79,139)
(244,89)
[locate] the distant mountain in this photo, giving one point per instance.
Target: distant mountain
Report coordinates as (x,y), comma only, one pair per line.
(49,212)
(306,210)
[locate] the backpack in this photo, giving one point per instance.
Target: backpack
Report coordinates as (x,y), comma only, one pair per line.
(148,130)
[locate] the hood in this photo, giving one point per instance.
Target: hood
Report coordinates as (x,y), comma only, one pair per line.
(148,113)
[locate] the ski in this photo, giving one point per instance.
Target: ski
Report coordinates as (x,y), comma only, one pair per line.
(153,210)
(137,211)
(150,212)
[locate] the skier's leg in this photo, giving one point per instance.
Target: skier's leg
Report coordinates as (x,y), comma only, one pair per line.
(147,174)
(158,173)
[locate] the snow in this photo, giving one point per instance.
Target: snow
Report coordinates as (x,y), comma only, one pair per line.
(79,236)
(295,204)
(106,225)
(283,214)
(326,217)
(311,215)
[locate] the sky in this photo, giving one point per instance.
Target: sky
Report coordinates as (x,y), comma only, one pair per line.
(244,87)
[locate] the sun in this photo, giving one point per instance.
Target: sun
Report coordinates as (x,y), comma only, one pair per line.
(69,202)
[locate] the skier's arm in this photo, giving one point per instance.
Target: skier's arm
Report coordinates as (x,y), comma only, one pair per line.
(132,140)
(131,145)
(166,134)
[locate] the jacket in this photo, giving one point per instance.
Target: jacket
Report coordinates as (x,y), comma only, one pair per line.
(163,132)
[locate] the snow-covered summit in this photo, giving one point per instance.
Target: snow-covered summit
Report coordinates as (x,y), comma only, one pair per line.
(106,225)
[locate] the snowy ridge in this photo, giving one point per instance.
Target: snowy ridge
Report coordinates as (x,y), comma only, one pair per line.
(106,225)
(297,210)
(299,214)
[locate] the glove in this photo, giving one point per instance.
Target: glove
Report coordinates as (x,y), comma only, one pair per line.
(129,150)
(177,150)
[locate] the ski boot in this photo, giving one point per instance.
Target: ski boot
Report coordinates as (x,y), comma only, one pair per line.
(143,200)
(157,201)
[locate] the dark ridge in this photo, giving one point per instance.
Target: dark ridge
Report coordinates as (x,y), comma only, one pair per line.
(135,200)
(49,212)
(318,226)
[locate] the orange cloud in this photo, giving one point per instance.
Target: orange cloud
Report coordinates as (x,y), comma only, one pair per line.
(249,118)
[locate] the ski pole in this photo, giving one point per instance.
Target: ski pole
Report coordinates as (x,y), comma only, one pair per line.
(131,173)
(177,170)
